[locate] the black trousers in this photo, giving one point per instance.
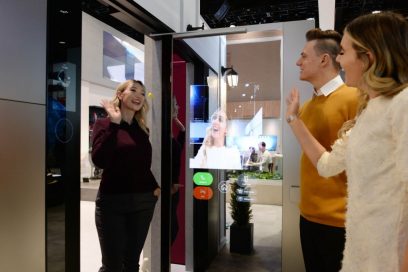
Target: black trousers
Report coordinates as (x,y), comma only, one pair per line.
(122,222)
(322,246)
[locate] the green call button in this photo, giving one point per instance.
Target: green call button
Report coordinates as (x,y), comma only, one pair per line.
(203,178)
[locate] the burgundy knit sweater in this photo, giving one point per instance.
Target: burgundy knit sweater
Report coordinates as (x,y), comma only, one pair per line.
(124,153)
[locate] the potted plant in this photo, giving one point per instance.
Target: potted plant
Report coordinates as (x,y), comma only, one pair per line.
(241,230)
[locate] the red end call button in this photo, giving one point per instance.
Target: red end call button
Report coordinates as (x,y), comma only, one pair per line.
(203,193)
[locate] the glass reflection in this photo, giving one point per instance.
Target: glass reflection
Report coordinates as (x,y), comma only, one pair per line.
(251,118)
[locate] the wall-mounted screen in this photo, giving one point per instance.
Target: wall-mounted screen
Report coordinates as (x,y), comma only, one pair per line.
(198,113)
(210,133)
(231,154)
(199,103)
(220,143)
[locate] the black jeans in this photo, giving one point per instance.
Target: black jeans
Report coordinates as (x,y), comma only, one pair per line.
(322,246)
(122,222)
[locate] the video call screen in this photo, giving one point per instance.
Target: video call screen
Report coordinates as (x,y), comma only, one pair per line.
(210,132)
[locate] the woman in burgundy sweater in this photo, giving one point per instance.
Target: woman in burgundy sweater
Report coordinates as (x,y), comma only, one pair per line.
(128,191)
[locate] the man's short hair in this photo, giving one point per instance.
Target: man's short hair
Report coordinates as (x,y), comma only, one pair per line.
(327,42)
(263,144)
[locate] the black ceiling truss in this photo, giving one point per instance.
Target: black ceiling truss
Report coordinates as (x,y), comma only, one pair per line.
(224,13)
(228,12)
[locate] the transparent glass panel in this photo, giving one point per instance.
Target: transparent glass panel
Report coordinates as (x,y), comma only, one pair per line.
(234,138)
(109,57)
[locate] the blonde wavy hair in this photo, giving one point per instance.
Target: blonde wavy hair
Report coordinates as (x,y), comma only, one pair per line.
(140,116)
(208,141)
(385,36)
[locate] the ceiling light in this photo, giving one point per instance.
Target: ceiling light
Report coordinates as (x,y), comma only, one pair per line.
(243,94)
(232,76)
(376,11)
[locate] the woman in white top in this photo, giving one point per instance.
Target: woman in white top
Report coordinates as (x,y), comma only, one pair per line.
(213,153)
(373,148)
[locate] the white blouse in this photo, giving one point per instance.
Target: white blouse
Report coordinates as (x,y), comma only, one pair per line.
(375,156)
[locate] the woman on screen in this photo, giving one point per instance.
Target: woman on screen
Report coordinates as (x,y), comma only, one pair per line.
(213,154)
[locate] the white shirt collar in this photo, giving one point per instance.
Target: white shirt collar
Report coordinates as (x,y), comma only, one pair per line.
(330,86)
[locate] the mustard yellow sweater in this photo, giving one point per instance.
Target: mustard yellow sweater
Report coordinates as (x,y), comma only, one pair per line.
(323,200)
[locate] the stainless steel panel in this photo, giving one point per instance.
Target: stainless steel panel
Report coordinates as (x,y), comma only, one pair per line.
(151,249)
(293,42)
(22,187)
(23,26)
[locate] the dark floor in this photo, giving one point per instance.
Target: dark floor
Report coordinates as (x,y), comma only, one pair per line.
(263,260)
(267,241)
(267,245)
(56,239)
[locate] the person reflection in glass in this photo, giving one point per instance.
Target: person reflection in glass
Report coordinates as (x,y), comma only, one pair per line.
(177,146)
(213,154)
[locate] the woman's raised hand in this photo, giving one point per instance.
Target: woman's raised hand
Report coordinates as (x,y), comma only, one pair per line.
(112,110)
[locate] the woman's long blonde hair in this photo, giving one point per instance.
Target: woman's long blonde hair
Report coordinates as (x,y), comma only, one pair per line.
(385,36)
(208,141)
(140,116)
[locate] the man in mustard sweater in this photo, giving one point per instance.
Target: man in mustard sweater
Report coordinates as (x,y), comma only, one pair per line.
(323,201)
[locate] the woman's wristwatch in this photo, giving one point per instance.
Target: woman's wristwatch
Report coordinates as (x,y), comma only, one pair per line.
(291,118)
